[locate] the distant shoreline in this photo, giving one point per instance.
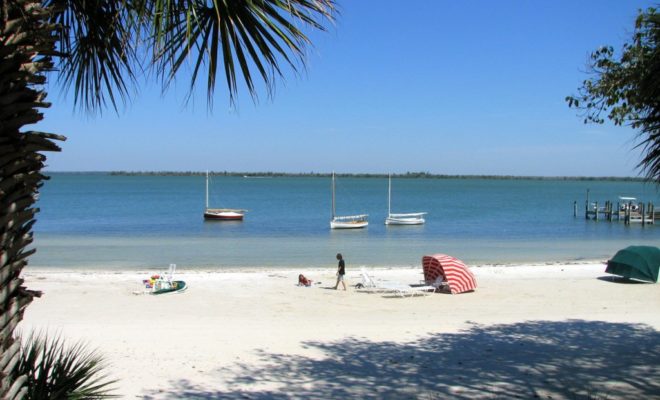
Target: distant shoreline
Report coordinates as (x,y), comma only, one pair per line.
(405,175)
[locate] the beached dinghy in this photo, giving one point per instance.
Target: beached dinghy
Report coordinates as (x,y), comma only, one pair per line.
(161,284)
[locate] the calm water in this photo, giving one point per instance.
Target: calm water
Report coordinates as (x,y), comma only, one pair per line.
(99,220)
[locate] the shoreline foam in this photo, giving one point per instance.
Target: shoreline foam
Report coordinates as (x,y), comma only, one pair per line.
(256,269)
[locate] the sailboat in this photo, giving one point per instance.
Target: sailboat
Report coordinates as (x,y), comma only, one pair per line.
(345,222)
(401,219)
(221,214)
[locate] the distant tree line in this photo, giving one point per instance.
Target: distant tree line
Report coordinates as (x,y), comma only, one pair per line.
(409,175)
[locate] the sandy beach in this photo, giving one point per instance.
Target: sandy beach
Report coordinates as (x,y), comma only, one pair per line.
(530,331)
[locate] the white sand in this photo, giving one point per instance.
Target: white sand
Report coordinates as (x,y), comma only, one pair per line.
(547,330)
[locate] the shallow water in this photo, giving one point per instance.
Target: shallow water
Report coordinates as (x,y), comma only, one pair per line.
(101,220)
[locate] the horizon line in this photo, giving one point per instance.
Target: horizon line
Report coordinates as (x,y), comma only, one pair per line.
(407,174)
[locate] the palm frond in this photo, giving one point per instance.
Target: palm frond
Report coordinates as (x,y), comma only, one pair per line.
(98,42)
(101,40)
(245,36)
(57,371)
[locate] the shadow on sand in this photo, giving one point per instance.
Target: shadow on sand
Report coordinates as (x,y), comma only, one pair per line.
(621,279)
(572,359)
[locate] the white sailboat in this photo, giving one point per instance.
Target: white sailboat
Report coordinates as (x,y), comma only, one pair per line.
(221,214)
(345,222)
(401,219)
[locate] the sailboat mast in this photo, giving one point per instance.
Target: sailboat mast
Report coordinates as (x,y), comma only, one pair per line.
(389,195)
(207,188)
(333,194)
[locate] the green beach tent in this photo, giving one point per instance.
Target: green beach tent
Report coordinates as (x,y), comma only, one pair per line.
(636,262)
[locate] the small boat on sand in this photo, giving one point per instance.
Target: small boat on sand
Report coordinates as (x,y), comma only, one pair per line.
(163,283)
(162,287)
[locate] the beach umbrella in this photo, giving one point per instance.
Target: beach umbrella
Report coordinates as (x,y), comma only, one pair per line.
(636,262)
(453,270)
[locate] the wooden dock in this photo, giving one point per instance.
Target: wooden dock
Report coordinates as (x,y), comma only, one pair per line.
(630,211)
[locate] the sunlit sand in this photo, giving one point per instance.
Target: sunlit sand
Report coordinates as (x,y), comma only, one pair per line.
(545,330)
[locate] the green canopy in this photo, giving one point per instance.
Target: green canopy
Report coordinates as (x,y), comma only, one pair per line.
(636,262)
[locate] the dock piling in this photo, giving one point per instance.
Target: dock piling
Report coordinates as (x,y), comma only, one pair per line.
(641,208)
(596,211)
(629,211)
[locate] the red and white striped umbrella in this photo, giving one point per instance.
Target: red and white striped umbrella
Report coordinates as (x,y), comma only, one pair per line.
(453,270)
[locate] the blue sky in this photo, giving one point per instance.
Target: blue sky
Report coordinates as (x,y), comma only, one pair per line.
(448,87)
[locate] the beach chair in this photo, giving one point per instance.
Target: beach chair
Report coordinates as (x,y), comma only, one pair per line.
(439,283)
(170,273)
(367,281)
(369,284)
(403,290)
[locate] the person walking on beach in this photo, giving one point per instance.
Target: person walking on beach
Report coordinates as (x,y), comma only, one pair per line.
(341,271)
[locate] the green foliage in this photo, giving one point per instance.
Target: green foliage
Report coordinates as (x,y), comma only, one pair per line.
(241,35)
(56,371)
(97,49)
(406,175)
(627,88)
(106,45)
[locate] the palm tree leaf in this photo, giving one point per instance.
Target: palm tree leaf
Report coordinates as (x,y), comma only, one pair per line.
(253,34)
(57,371)
(100,40)
(97,38)
(240,55)
(253,56)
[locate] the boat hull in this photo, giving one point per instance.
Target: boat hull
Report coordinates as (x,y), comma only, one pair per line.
(174,286)
(348,224)
(405,221)
(221,215)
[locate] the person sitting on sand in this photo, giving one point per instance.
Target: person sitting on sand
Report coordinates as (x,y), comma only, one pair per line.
(302,281)
(341,271)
